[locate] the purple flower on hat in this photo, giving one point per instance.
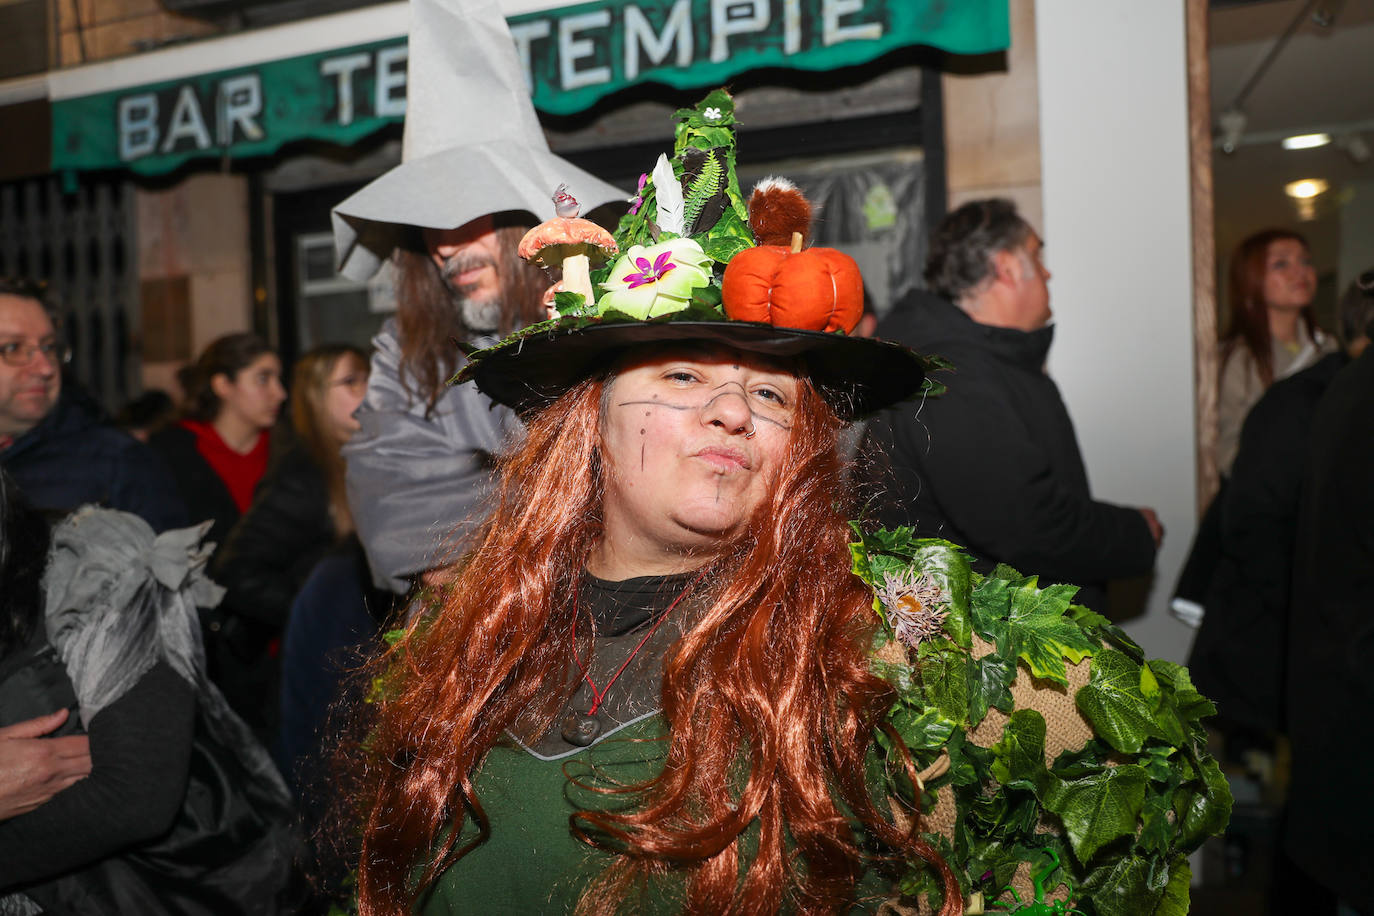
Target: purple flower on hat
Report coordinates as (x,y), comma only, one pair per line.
(650,273)
(638,200)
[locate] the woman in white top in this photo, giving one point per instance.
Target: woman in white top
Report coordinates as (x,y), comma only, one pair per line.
(1272,332)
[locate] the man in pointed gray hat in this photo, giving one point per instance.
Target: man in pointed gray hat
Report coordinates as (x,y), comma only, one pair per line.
(476,172)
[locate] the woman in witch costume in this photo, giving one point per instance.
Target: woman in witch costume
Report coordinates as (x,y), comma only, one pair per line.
(648,686)
(663,679)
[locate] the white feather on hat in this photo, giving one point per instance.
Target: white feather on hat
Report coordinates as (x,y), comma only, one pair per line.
(472,142)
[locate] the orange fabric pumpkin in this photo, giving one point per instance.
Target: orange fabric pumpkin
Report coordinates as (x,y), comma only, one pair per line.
(818,289)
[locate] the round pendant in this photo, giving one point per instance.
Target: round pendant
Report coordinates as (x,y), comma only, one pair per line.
(580,729)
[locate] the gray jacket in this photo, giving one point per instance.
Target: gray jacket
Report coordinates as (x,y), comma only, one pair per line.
(416,482)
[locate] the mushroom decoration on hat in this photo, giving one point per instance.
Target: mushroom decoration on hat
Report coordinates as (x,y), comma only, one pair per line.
(569,242)
(777,282)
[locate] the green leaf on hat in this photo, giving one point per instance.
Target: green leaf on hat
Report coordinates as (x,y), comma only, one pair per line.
(1019,758)
(1041,634)
(945,678)
(570,303)
(1129,886)
(1114,704)
(990,680)
(722,248)
(718,99)
(989,608)
(1155,831)
(1191,705)
(1099,808)
(1105,630)
(1175,900)
(923,729)
(706,304)
(1204,810)
(949,567)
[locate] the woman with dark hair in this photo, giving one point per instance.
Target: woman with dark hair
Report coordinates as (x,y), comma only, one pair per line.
(1271,332)
(301,507)
(299,513)
(218,450)
(181,812)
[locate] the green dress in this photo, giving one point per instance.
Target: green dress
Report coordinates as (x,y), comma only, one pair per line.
(532,863)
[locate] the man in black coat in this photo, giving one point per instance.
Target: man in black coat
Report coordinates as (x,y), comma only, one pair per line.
(55,443)
(1330,687)
(993,464)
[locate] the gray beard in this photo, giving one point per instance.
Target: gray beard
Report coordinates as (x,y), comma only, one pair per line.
(481,317)
(478,317)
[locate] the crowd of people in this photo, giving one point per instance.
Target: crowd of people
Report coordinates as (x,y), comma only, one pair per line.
(306,590)
(631,529)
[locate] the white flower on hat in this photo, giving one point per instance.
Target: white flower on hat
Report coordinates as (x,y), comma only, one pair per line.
(655,280)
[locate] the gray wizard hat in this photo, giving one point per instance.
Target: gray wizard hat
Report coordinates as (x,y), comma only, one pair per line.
(472,143)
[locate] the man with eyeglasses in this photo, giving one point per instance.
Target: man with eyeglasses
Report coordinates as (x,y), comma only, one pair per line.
(56,443)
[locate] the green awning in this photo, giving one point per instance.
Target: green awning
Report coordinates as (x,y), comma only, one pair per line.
(574,56)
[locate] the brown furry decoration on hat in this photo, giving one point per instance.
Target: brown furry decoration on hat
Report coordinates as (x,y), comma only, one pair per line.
(776,210)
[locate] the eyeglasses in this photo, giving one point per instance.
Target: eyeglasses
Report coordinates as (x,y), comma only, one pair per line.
(17,354)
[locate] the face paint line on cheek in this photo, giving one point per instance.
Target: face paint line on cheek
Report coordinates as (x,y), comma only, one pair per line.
(778,423)
(654,403)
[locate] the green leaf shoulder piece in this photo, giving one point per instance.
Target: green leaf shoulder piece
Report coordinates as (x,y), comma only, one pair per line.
(1062,741)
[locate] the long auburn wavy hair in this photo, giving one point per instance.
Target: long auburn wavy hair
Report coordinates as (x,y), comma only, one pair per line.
(429,314)
(495,656)
(1248,324)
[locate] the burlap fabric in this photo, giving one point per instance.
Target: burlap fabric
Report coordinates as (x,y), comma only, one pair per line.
(1065,729)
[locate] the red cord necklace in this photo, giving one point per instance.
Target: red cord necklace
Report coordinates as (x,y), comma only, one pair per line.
(581,728)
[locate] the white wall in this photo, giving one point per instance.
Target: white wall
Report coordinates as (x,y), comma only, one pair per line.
(1114,158)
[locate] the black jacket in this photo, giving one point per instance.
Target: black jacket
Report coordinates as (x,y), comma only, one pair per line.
(73,457)
(1331,645)
(1238,657)
(993,464)
(202,489)
(272,548)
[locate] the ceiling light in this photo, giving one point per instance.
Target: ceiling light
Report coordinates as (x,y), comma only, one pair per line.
(1308,187)
(1306,141)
